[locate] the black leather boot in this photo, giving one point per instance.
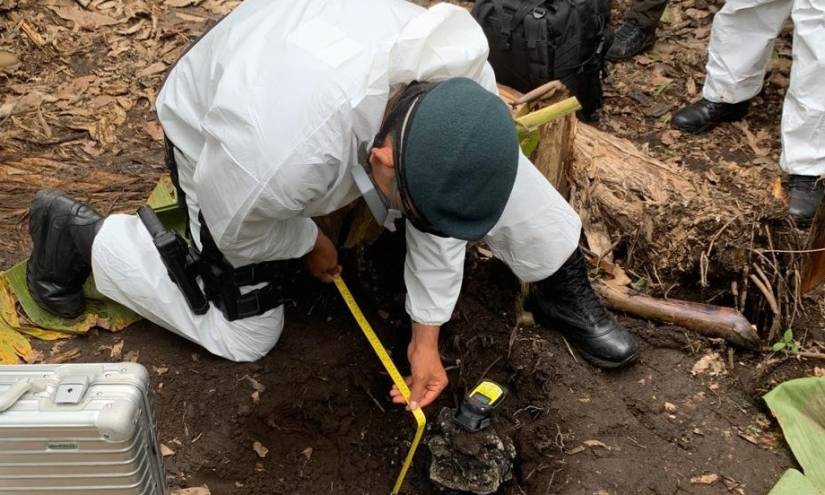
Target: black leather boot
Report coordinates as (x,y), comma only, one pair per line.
(705,115)
(566,302)
(805,193)
(62,232)
(630,40)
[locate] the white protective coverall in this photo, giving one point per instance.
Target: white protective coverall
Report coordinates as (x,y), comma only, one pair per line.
(267,111)
(741,44)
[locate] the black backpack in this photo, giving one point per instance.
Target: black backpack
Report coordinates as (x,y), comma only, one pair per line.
(535,41)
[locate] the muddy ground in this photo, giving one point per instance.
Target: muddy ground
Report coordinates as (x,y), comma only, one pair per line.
(77,113)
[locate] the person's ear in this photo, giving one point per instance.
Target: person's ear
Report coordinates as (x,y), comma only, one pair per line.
(382,155)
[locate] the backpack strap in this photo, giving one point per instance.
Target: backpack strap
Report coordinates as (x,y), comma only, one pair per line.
(509,23)
(524,9)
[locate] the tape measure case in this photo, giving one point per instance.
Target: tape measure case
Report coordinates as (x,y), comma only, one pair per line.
(78,428)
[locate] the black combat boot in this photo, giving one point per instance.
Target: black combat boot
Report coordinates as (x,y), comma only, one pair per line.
(565,301)
(705,115)
(630,40)
(62,231)
(805,193)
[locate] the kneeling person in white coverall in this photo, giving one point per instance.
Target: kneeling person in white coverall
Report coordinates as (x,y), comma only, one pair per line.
(741,44)
(279,114)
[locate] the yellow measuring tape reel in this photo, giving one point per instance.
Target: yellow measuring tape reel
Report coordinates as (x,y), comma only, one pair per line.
(420,420)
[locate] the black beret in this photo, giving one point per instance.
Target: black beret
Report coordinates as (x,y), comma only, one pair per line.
(460,156)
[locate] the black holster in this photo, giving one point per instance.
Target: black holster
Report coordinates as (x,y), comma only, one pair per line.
(222,282)
(180,259)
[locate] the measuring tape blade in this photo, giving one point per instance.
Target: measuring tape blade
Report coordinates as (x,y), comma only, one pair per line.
(420,422)
(398,380)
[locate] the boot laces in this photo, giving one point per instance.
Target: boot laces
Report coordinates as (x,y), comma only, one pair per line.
(579,295)
(627,32)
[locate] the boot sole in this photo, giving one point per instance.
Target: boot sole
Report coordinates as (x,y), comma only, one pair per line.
(602,363)
(46,306)
(40,208)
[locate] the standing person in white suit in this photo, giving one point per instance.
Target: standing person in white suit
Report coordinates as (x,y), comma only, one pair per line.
(286,111)
(741,44)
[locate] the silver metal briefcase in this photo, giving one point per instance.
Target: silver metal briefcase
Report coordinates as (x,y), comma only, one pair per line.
(78,429)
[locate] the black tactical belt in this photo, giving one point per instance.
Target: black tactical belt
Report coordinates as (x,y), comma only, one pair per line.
(222,282)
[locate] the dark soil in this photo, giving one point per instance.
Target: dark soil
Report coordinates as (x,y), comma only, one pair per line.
(324,414)
(329,426)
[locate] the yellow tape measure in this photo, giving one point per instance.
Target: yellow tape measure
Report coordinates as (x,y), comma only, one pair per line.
(379,349)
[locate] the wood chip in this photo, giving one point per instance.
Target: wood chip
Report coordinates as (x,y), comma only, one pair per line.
(63,357)
(711,364)
(190,18)
(27,28)
(749,438)
(820,372)
(753,140)
(83,19)
(160,370)
(705,479)
(198,490)
(260,449)
(690,87)
(256,385)
(696,13)
(595,443)
(153,69)
(670,408)
(117,351)
(484,252)
(166,451)
(7,59)
(154,130)
(181,3)
(6,109)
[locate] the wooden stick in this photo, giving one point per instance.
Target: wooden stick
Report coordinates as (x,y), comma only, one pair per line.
(534,94)
(705,319)
(550,112)
(813,355)
(802,354)
(813,265)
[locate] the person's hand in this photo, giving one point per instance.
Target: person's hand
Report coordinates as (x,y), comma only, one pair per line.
(322,261)
(428,378)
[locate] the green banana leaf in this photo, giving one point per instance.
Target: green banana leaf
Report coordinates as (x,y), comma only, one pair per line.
(794,483)
(164,200)
(99,311)
(799,406)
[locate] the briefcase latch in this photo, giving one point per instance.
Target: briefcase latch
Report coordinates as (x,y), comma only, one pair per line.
(71,390)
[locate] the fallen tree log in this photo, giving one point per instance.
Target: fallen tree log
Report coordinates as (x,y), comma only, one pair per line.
(704,319)
(721,231)
(670,220)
